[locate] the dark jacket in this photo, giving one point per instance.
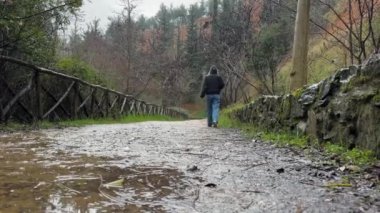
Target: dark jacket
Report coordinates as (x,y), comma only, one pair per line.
(212,85)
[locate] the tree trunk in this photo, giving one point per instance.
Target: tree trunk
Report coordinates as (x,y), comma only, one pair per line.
(215,21)
(298,76)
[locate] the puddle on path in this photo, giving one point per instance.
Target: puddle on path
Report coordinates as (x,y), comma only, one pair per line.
(31,182)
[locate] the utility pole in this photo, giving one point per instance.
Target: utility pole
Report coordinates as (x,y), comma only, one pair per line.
(298,76)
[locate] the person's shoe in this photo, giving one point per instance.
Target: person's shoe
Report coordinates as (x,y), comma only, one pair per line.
(215,125)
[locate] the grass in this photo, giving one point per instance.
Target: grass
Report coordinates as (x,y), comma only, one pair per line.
(281,138)
(11,127)
(123,120)
(232,108)
(354,156)
(284,138)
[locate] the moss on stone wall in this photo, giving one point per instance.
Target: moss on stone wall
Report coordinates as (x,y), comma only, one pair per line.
(297,93)
(343,109)
(376,98)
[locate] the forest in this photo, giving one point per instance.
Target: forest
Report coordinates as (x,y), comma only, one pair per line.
(163,59)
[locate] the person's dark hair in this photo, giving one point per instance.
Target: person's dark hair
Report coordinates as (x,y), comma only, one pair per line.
(213,70)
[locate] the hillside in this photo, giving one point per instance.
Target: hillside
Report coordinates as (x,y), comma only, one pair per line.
(326,53)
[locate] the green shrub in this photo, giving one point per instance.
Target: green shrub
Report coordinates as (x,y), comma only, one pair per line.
(80,69)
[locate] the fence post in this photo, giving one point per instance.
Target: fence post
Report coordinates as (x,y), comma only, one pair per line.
(37,99)
(144,109)
(75,100)
(93,99)
(123,106)
(107,102)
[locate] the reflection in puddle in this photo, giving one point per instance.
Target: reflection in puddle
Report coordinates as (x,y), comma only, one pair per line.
(33,178)
(142,188)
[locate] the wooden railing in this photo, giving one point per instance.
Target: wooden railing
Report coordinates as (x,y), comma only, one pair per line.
(30,93)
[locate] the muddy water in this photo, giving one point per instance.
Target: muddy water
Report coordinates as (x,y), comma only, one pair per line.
(166,167)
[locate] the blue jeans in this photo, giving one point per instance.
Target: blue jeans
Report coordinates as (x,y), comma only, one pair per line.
(213,104)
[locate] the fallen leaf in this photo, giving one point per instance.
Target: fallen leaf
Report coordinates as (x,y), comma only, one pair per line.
(115,184)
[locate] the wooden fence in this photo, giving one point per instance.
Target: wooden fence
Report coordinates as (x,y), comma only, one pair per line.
(30,93)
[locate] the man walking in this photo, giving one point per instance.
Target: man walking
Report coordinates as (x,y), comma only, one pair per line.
(212,85)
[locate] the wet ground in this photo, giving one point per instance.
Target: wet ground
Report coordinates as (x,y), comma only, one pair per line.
(169,167)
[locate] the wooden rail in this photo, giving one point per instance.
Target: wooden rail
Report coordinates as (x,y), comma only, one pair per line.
(45,94)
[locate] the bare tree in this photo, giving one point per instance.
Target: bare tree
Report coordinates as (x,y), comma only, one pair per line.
(354,28)
(356,24)
(129,7)
(228,49)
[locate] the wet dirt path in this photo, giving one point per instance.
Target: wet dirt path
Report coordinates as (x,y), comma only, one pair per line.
(165,167)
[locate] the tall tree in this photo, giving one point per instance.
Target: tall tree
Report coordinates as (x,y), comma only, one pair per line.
(192,37)
(165,33)
(29,29)
(298,76)
(129,7)
(214,15)
(179,18)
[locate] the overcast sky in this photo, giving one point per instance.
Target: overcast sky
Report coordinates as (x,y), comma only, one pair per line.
(102,9)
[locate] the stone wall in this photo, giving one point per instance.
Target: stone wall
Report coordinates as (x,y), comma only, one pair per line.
(343,109)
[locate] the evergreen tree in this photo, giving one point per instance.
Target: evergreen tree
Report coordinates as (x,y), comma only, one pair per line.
(214,15)
(202,8)
(142,23)
(28,29)
(165,29)
(179,14)
(192,38)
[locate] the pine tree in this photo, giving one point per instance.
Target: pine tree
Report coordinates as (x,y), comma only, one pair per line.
(192,37)
(214,14)
(165,29)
